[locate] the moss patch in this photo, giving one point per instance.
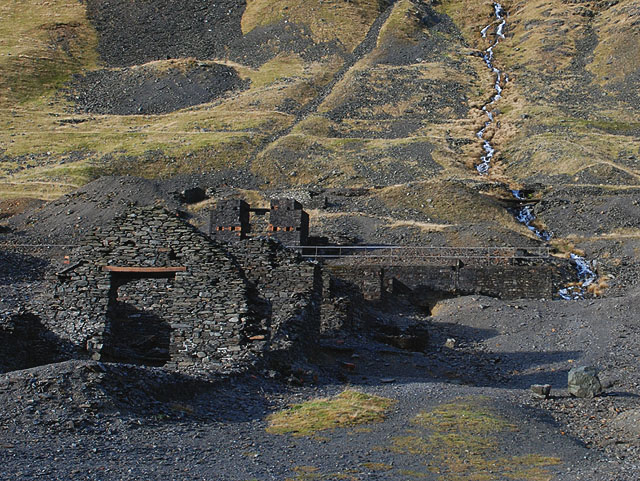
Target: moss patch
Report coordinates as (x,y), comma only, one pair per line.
(458,441)
(346,409)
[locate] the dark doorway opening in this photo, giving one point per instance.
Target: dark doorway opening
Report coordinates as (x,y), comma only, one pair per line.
(138,331)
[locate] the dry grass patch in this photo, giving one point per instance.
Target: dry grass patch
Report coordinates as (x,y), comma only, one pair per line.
(401,24)
(471,416)
(422,226)
(347,22)
(280,67)
(348,408)
(41,44)
(309,473)
(378,466)
(459,439)
(470,17)
(447,201)
(616,55)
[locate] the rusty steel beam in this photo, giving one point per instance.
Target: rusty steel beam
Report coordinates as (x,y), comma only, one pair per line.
(144,270)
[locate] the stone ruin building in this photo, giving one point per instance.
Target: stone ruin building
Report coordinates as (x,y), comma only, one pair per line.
(285,220)
(151,289)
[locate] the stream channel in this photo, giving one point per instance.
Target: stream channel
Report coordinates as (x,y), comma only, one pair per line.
(524,214)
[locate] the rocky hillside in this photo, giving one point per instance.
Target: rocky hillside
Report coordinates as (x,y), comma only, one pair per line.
(321,97)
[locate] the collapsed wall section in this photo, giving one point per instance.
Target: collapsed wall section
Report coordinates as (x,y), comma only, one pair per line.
(285,292)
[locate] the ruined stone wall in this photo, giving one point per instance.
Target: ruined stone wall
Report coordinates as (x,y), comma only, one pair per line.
(150,288)
(285,292)
(502,281)
(369,279)
(205,305)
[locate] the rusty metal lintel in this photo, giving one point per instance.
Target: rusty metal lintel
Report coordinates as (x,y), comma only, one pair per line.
(144,270)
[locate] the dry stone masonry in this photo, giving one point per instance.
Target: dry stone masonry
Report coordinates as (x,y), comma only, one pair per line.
(150,288)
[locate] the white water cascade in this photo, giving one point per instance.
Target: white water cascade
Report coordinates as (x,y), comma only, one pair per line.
(586,277)
(500,14)
(524,214)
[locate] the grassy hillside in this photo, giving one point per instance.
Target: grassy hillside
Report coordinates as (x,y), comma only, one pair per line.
(365,94)
(327,21)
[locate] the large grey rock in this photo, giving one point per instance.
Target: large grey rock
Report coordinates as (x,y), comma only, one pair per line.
(584,382)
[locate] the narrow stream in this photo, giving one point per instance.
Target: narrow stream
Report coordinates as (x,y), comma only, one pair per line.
(586,277)
(524,214)
(485,161)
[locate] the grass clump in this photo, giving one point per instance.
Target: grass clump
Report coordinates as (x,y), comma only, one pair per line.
(308,473)
(348,408)
(470,417)
(378,466)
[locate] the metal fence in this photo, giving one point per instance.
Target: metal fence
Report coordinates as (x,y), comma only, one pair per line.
(405,255)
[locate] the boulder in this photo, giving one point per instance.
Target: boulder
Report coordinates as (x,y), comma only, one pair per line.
(584,382)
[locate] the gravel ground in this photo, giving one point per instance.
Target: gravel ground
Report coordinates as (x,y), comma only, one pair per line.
(87,420)
(137,32)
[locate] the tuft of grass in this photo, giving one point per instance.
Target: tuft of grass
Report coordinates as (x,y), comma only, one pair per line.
(309,473)
(414,474)
(305,473)
(598,288)
(348,408)
(378,466)
(471,417)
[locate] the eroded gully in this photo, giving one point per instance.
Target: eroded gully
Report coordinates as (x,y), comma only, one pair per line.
(524,213)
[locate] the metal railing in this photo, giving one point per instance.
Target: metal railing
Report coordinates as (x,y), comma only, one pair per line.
(391,255)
